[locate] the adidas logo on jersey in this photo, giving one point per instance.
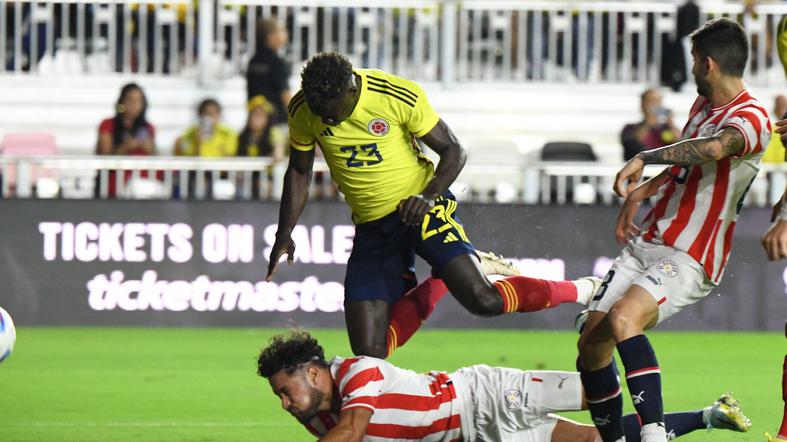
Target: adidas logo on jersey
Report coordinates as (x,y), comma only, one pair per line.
(327,132)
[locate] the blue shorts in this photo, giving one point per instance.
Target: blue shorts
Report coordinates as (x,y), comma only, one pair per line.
(382,263)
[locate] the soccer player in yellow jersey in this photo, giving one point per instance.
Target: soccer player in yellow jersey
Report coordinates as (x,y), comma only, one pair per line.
(366,122)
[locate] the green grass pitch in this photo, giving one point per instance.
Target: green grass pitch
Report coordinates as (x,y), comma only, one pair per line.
(97,384)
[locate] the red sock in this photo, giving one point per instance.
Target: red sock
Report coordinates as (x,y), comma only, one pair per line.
(411,310)
(523,294)
(783,430)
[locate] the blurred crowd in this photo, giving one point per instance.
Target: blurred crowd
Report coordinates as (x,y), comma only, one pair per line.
(129,132)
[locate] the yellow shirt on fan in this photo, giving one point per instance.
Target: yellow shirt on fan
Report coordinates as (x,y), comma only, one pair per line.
(372,155)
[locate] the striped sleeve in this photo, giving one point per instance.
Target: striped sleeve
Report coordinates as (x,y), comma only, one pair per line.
(300,136)
(754,125)
(423,117)
(360,382)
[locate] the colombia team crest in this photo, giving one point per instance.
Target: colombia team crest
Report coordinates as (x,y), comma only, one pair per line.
(379,127)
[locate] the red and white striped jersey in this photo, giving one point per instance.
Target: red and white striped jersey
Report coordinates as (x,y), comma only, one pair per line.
(407,405)
(696,209)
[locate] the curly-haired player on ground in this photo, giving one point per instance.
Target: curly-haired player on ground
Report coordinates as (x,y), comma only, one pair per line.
(366,123)
(369,399)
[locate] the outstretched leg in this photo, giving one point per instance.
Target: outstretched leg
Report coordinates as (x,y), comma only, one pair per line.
(466,282)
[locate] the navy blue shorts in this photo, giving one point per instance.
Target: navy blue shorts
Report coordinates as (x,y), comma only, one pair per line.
(382,263)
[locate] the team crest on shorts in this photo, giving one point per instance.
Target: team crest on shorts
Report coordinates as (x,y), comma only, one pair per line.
(513,399)
(668,268)
(379,127)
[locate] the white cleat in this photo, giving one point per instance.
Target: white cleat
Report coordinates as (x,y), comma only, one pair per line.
(587,288)
(492,264)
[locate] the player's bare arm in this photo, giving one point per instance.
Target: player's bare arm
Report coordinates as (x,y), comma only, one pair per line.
(351,426)
(781,129)
(452,159)
(728,141)
(293,200)
(775,239)
(625,228)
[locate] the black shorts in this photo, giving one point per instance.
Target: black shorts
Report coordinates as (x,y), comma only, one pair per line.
(382,263)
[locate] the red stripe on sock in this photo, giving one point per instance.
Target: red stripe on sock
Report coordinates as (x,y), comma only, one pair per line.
(411,310)
(523,294)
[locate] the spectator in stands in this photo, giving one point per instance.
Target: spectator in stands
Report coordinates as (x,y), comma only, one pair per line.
(209,138)
(128,132)
(775,152)
(268,74)
(260,138)
(655,130)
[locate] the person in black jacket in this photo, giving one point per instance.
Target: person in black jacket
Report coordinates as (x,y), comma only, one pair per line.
(268,73)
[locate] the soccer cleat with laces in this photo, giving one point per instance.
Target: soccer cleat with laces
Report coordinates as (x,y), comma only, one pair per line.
(726,414)
(492,264)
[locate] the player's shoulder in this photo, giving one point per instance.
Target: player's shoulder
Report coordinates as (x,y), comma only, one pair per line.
(344,368)
(298,109)
(748,108)
(386,85)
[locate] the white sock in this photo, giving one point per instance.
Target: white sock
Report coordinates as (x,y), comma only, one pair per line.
(584,290)
(655,432)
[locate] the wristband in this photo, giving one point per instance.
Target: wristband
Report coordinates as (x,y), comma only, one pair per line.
(430,201)
(783,212)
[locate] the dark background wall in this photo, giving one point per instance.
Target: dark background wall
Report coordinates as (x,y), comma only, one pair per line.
(203,263)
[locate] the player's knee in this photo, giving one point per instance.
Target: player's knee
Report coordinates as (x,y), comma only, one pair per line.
(623,323)
(369,348)
(484,305)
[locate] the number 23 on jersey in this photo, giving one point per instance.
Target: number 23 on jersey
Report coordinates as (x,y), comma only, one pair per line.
(363,155)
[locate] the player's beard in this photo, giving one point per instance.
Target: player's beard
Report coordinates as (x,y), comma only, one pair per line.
(703,87)
(315,399)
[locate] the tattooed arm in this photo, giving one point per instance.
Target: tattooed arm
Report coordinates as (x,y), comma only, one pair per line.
(728,141)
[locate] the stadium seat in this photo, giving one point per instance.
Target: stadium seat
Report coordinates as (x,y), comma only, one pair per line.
(23,145)
(567,151)
(577,188)
(498,163)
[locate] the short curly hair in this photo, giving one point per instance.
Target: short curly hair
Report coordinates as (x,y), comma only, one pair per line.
(289,352)
(325,77)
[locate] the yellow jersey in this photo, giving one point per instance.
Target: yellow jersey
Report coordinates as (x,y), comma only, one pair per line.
(223,142)
(372,154)
(774,152)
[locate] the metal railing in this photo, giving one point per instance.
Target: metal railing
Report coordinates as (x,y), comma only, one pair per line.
(442,40)
(113,36)
(134,177)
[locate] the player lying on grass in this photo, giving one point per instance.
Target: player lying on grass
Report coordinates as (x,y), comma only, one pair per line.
(369,399)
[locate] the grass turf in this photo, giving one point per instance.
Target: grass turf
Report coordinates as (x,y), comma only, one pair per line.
(98,384)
